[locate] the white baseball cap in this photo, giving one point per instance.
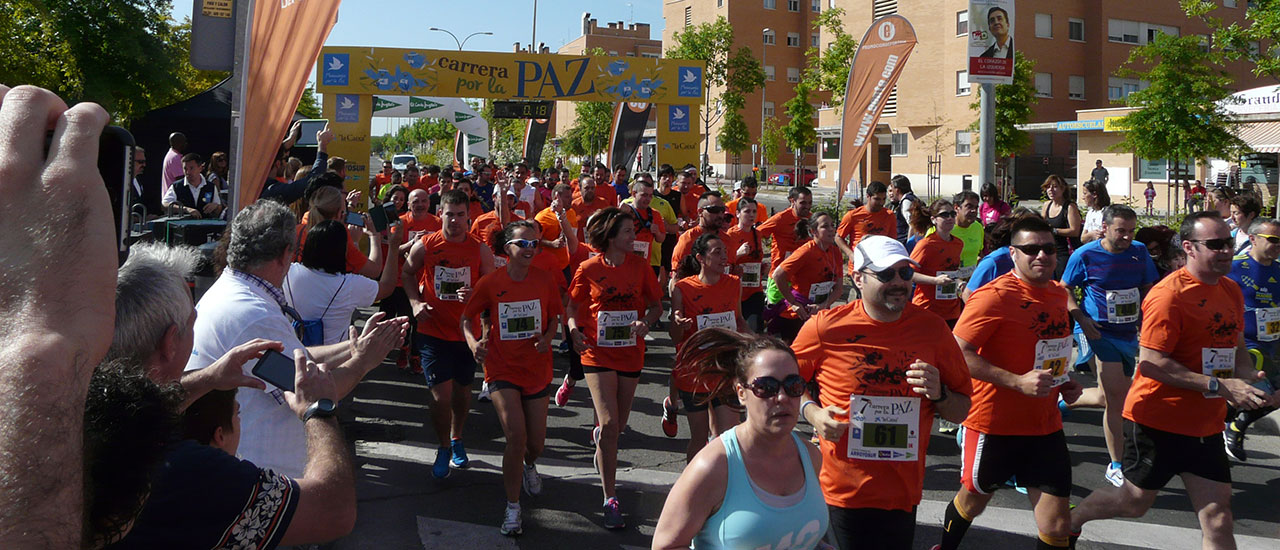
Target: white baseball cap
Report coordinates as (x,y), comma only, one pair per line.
(878,253)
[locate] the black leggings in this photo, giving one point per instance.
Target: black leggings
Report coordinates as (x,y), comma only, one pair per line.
(872,528)
(753,311)
(397,305)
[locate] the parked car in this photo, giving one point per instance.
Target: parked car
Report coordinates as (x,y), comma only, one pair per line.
(400,161)
(788,177)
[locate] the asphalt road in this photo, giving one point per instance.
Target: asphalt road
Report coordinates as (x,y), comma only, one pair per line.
(401,506)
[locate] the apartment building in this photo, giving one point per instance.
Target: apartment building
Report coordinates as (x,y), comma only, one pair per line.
(1077,46)
(616,38)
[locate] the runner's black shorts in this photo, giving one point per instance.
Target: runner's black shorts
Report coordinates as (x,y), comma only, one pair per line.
(1152,457)
(1037,461)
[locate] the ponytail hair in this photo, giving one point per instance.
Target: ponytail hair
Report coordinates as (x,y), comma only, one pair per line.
(689,265)
(725,356)
(804,227)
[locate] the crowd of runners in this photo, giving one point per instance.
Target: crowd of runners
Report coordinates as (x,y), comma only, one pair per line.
(865,327)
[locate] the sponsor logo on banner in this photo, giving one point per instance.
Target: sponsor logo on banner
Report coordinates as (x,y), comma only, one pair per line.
(337,71)
(881,55)
(473,139)
(637,107)
(380,104)
(420,104)
(690,84)
(678,120)
(348,108)
(461,117)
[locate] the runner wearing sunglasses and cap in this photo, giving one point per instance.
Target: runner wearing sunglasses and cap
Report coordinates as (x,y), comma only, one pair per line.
(882,373)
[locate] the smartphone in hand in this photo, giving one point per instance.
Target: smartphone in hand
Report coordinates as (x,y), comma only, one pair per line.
(277,369)
(354,218)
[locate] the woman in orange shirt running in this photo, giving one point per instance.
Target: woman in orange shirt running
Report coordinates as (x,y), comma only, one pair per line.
(519,310)
(704,297)
(750,262)
(938,253)
(810,279)
(613,299)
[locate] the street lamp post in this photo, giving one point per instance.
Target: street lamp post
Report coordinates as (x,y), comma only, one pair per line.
(455,37)
(764,43)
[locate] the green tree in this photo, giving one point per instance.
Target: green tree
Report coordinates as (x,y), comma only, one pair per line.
(308,105)
(828,70)
(734,136)
(725,74)
(799,132)
(1179,115)
(744,75)
(127,55)
(1013,107)
(1254,41)
(770,143)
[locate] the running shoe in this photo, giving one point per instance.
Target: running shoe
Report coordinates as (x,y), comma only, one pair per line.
(613,514)
(1063,408)
(1234,442)
(1114,474)
(484,393)
(595,435)
(440,469)
(460,459)
(532,482)
(562,394)
(669,425)
(511,521)
(947,426)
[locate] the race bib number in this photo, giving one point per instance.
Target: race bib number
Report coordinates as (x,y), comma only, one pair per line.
(1268,324)
(519,320)
(449,279)
(965,272)
(819,292)
(613,328)
(1052,355)
(520,212)
(641,248)
(724,319)
(751,275)
(947,291)
(1122,305)
(1218,363)
(415,235)
(884,428)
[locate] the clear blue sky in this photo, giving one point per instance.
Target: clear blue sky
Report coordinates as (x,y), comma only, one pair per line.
(404,23)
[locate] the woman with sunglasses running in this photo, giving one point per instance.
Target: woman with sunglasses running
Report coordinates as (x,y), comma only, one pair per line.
(756,485)
(703,298)
(811,279)
(613,299)
(519,309)
(938,255)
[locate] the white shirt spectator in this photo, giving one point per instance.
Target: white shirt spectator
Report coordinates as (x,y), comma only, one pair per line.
(171,196)
(1093,220)
(329,297)
(234,311)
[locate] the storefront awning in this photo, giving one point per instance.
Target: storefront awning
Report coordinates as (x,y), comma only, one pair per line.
(1263,137)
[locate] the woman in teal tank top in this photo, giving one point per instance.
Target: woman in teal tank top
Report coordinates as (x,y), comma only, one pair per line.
(756,485)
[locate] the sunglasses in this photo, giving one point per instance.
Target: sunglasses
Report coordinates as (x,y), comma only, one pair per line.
(1273,239)
(766,387)
(946,215)
(1034,250)
(1216,244)
(886,275)
(524,243)
(714,209)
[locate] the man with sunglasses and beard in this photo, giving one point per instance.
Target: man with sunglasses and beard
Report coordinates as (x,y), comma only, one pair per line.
(882,373)
(1016,338)
(711,218)
(1192,364)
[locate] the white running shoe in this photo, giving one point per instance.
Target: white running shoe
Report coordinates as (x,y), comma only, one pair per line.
(484,393)
(532,482)
(1114,474)
(511,521)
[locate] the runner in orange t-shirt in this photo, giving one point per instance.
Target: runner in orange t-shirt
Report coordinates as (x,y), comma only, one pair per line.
(810,280)
(711,219)
(1016,338)
(559,231)
(703,297)
(869,219)
(444,267)
(690,193)
(748,188)
(938,255)
(884,358)
(1192,364)
(413,224)
(782,226)
(519,310)
(587,203)
(651,228)
(749,263)
(613,299)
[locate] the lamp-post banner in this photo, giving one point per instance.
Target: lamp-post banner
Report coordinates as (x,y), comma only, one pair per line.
(991,41)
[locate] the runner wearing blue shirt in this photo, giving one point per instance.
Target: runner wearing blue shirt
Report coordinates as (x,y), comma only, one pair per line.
(1258,275)
(992,265)
(1114,273)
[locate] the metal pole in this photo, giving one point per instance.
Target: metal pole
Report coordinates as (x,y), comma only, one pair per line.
(239,87)
(764,50)
(533,42)
(987,133)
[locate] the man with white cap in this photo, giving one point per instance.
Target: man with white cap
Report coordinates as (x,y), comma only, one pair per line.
(882,373)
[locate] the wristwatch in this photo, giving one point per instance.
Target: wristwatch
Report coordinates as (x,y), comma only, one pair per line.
(941,397)
(1213,385)
(323,408)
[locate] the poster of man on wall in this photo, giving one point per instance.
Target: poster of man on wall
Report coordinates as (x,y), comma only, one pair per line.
(991,41)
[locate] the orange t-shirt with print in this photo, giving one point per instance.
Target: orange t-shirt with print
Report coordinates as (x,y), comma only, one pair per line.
(1006,320)
(605,292)
(684,246)
(782,228)
(731,207)
(848,353)
(553,259)
(455,264)
(1184,318)
(753,282)
(935,254)
(518,312)
(810,265)
(716,305)
(487,224)
(861,221)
